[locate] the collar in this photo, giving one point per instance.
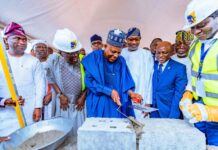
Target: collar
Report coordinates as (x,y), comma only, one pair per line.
(132,50)
(210,40)
(164,64)
(215,36)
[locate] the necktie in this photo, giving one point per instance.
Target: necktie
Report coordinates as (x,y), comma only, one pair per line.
(160,67)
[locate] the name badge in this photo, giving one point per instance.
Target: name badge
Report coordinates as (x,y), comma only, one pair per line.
(200,90)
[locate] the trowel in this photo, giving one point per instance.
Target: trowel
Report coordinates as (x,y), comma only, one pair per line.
(130,118)
(143,108)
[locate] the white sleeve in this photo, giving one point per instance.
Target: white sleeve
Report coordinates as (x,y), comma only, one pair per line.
(150,65)
(51,61)
(40,84)
(189,86)
(189,77)
(2,102)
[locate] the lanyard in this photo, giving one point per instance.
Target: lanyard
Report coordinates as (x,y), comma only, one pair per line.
(202,57)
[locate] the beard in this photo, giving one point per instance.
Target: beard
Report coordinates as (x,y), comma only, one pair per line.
(131,48)
(182,55)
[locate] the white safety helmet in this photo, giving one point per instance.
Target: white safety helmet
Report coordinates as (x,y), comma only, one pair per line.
(66,41)
(198,10)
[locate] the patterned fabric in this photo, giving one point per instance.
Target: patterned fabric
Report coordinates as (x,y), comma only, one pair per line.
(71,78)
(182,36)
(56,66)
(133,32)
(116,38)
(14,29)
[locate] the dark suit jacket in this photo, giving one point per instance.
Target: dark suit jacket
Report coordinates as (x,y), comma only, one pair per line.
(168,91)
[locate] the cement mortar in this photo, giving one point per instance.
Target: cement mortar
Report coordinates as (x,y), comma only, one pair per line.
(40,139)
(70,143)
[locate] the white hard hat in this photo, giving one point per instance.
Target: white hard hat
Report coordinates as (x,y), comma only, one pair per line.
(198,10)
(66,41)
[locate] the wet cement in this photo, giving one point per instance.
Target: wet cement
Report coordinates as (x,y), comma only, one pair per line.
(40,139)
(70,143)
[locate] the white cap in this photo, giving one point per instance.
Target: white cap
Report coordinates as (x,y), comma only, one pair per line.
(36,41)
(198,10)
(66,41)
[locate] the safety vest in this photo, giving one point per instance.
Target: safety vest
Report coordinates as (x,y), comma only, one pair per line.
(209,74)
(82,72)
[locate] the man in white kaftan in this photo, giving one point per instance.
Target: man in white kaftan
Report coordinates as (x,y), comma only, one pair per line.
(29,79)
(40,51)
(140,63)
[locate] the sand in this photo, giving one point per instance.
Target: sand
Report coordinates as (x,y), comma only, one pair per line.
(40,139)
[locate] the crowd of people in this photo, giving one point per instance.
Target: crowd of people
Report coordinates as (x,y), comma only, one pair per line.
(179,79)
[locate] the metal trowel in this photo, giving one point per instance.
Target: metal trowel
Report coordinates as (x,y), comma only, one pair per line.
(130,118)
(143,108)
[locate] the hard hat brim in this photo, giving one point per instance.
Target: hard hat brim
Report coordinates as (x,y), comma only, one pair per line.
(78,47)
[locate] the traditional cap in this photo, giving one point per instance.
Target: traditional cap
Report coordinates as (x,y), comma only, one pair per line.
(95,37)
(133,32)
(13,29)
(116,38)
(184,36)
(198,10)
(66,41)
(37,41)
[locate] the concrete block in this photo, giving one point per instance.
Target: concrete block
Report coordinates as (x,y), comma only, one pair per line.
(106,134)
(170,134)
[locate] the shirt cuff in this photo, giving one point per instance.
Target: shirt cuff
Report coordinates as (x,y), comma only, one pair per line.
(107,91)
(38,102)
(188,88)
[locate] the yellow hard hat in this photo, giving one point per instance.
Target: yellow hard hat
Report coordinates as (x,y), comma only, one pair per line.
(198,10)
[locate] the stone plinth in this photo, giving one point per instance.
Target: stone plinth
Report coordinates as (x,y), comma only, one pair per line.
(106,134)
(170,134)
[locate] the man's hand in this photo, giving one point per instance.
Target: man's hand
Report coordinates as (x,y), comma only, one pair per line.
(2,139)
(64,102)
(47,99)
(115,97)
(37,114)
(80,103)
(10,102)
(21,100)
(137,98)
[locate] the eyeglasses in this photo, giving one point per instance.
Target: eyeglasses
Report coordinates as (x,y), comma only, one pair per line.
(201,25)
(71,54)
(134,39)
(98,42)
